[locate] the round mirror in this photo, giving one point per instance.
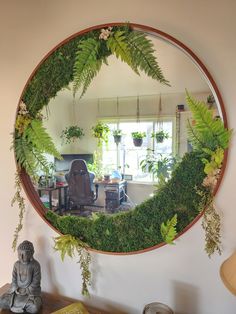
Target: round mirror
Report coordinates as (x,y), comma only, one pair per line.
(114,125)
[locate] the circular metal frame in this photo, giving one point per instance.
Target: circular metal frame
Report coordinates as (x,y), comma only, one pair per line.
(25,179)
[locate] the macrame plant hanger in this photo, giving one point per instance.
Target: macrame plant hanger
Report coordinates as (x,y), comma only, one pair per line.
(159,110)
(138,111)
(74,122)
(117,143)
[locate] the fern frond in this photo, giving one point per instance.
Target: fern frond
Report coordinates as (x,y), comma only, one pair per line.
(143,58)
(208,132)
(87,64)
(38,137)
(168,230)
(117,44)
(24,157)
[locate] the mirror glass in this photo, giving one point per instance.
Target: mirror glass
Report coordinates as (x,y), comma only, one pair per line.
(123,100)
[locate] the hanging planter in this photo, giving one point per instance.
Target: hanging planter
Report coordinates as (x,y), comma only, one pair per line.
(160,136)
(101,132)
(117,134)
(138,138)
(71,134)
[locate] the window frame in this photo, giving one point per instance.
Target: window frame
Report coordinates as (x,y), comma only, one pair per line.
(118,120)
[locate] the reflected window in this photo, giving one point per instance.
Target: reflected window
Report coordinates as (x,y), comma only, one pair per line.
(126,157)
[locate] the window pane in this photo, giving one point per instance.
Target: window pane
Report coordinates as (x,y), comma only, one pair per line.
(128,157)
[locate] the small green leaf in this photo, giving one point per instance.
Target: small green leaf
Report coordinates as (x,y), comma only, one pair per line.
(168,230)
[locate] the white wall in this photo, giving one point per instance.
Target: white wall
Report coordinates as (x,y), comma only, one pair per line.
(181,275)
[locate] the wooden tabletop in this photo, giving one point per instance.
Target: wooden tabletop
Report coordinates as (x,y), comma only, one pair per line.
(52,303)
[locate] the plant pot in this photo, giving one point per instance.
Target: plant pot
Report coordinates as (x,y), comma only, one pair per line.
(180,108)
(117,139)
(137,142)
(160,139)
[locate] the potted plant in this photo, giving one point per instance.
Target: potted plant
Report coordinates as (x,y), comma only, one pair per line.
(160,166)
(101,132)
(48,179)
(138,138)
(71,133)
(117,134)
(160,136)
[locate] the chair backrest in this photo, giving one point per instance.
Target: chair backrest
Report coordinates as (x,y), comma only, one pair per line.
(79,184)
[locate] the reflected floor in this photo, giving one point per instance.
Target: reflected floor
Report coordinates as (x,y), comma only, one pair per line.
(88,211)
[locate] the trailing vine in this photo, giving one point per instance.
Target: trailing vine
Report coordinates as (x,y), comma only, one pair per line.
(19,199)
(69,245)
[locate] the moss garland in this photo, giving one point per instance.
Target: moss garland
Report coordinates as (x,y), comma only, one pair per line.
(140,228)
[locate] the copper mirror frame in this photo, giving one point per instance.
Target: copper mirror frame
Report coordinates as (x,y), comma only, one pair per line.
(26,180)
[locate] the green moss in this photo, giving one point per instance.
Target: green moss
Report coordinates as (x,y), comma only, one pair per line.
(55,73)
(140,228)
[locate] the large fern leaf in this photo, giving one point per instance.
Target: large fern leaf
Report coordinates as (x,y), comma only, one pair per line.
(29,158)
(142,55)
(207,132)
(117,44)
(87,64)
(38,137)
(168,230)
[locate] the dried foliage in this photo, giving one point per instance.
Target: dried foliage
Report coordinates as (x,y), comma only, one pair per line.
(211,224)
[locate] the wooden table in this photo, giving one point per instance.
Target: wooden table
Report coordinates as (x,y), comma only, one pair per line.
(52,303)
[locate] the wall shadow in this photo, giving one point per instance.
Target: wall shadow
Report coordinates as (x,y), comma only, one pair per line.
(185,298)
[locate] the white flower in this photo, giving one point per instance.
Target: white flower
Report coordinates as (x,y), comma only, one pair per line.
(22,109)
(105,33)
(211,179)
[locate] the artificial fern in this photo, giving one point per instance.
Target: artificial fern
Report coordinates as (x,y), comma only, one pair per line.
(87,64)
(117,44)
(31,147)
(207,132)
(38,136)
(168,230)
(131,47)
(143,58)
(69,245)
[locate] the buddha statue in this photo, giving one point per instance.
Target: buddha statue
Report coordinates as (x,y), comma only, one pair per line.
(24,294)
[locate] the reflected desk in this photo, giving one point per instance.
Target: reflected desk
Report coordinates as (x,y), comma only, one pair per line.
(60,189)
(115,193)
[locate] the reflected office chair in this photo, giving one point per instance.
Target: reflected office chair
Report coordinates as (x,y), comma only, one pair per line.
(80,180)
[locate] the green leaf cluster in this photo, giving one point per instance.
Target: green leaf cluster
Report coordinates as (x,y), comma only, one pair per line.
(216,160)
(70,133)
(69,245)
(207,131)
(101,131)
(138,135)
(168,230)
